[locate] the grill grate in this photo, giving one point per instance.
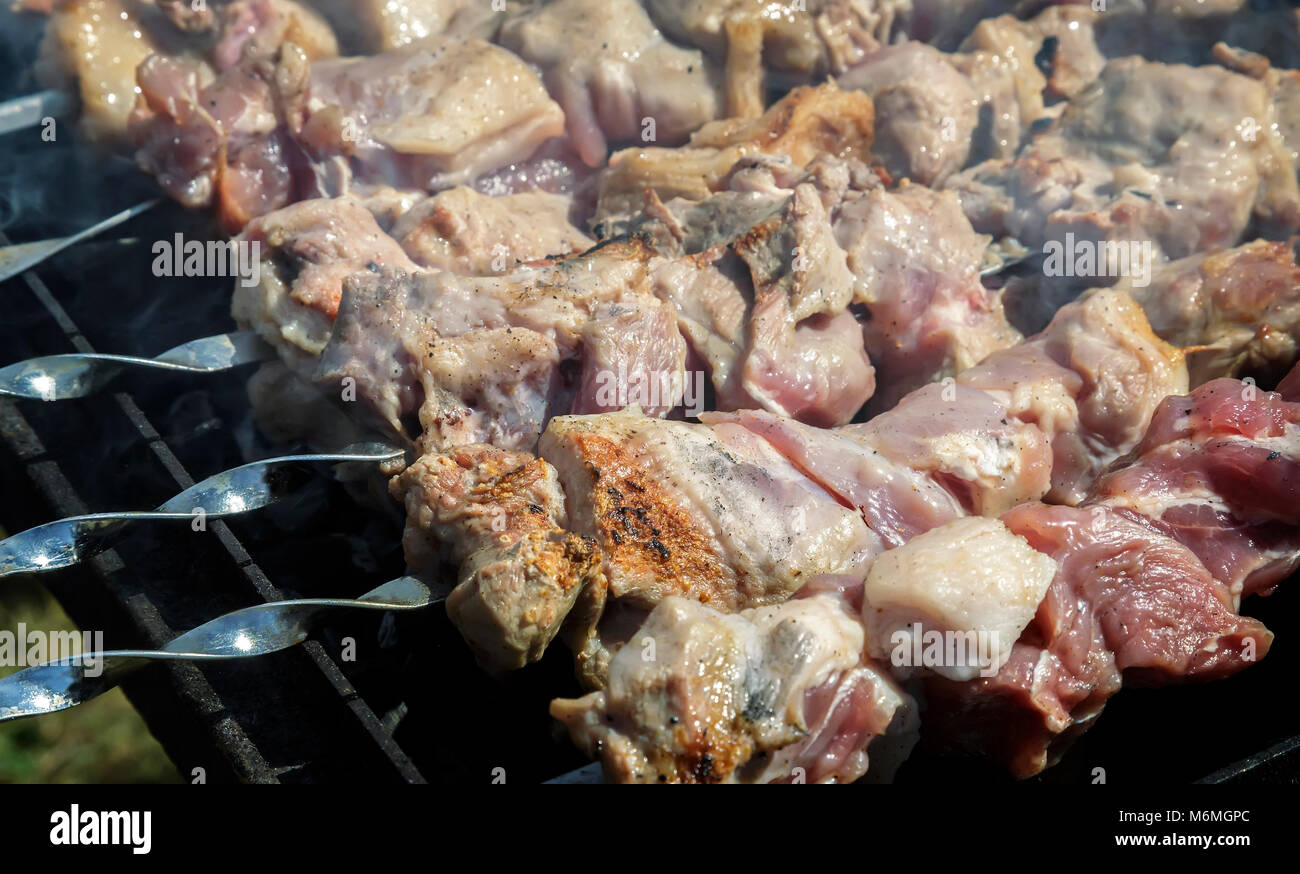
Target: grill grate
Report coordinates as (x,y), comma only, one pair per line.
(245,759)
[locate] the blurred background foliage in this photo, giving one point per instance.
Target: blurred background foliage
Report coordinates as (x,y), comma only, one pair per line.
(103,741)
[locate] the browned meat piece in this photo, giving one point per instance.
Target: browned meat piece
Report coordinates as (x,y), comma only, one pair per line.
(1234,312)
(467,232)
(307,250)
(775,694)
(501,515)
(1126,162)
(715,514)
(615,71)
(92,48)
(430,117)
(806,123)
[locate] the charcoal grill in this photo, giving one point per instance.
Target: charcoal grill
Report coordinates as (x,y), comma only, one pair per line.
(412,707)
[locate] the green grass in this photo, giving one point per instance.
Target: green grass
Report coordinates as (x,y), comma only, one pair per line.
(103,741)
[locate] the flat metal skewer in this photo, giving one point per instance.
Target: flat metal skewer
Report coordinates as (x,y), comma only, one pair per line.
(77,374)
(23,256)
(587,775)
(247,633)
(65,542)
(31,110)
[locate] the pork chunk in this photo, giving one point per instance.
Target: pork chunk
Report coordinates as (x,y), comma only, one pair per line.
(432,116)
(614,72)
(500,515)
(467,232)
(774,694)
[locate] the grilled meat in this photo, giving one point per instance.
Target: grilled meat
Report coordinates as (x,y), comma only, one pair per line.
(487,359)
(308,249)
(1126,161)
(1090,381)
(744,509)
(616,76)
(432,116)
(93,47)
(521,573)
(1236,311)
(805,123)
(467,232)
(1151,571)
(772,694)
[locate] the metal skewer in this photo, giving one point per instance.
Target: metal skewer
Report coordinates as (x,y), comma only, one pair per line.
(1004,254)
(23,256)
(586,775)
(77,374)
(65,542)
(247,633)
(31,110)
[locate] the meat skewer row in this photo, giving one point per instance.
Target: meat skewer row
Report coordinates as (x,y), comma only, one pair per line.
(742,510)
(765,307)
(1141,583)
(1088,386)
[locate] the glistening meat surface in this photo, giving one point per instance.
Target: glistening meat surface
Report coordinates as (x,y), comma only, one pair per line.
(1151,570)
(773,694)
